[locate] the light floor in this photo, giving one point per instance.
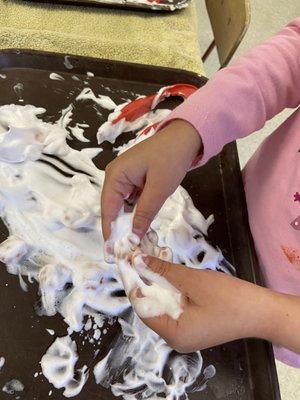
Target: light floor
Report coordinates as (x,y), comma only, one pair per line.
(267,17)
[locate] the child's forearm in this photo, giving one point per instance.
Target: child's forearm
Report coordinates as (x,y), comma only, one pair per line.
(247,310)
(271,316)
(239,99)
(284,327)
(243,309)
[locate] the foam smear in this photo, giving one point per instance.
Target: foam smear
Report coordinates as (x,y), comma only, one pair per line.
(58,366)
(141,358)
(13,387)
(56,77)
(154,4)
(109,131)
(49,201)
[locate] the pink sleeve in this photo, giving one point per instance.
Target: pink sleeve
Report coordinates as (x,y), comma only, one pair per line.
(239,99)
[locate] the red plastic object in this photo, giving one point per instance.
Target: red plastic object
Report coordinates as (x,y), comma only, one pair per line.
(148,129)
(141,106)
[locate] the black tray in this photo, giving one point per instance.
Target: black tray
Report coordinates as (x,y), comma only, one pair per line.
(164,6)
(245,369)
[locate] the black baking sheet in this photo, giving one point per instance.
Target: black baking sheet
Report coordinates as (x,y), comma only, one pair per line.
(163,6)
(245,369)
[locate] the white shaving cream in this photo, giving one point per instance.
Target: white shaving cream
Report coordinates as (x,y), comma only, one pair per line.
(49,201)
(56,77)
(2,362)
(13,387)
(58,366)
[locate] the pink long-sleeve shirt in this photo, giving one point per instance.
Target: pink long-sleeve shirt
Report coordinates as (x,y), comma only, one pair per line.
(237,101)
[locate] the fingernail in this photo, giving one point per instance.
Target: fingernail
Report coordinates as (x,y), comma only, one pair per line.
(136,294)
(134,239)
(138,231)
(145,259)
(133,293)
(108,247)
(108,253)
(139,260)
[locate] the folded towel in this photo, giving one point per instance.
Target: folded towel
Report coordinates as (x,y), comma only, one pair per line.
(168,39)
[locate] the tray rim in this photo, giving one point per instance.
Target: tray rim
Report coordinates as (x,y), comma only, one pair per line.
(127,7)
(253,347)
(118,63)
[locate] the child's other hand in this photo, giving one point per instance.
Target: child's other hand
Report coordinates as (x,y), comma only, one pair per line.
(152,170)
(217,308)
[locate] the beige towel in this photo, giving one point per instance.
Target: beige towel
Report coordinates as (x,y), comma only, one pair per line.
(168,39)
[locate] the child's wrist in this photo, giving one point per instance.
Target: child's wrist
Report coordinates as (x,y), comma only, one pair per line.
(189,134)
(268,315)
(259,313)
(285,322)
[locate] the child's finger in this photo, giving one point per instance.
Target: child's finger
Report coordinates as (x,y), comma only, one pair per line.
(112,200)
(178,275)
(148,205)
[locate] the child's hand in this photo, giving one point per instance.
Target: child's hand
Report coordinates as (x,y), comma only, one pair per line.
(152,169)
(217,308)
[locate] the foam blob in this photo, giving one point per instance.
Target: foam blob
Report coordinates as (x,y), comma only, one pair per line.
(12,250)
(103,101)
(58,366)
(13,387)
